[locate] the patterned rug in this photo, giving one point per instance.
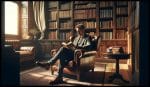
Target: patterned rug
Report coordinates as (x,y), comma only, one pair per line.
(40,77)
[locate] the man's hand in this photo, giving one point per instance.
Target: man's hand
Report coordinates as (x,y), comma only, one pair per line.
(64,44)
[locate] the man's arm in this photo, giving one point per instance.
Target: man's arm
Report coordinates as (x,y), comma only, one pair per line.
(68,45)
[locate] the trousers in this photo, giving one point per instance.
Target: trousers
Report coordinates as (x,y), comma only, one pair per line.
(64,55)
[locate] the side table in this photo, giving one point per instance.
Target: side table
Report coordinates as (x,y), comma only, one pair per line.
(117,56)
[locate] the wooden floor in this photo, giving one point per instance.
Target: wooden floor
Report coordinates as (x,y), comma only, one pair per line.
(39,76)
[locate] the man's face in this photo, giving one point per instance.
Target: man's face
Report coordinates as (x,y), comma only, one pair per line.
(80,31)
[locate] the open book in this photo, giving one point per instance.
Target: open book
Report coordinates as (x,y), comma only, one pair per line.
(68,45)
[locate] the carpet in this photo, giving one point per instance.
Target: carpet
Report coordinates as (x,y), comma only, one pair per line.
(40,77)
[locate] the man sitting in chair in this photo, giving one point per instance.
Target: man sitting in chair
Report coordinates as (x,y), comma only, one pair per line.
(66,52)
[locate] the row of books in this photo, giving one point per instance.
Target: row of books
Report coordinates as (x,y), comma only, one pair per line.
(122,10)
(84,14)
(65,14)
(106,24)
(85,6)
(106,4)
(88,24)
(53,4)
(106,13)
(106,35)
(52,25)
(81,2)
(64,35)
(120,34)
(65,5)
(121,3)
(52,35)
(122,22)
(65,25)
(53,15)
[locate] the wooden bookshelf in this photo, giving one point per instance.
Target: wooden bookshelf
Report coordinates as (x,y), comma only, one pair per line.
(106,18)
(133,30)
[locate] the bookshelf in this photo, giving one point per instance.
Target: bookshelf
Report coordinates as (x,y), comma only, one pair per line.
(52,24)
(85,12)
(106,18)
(133,37)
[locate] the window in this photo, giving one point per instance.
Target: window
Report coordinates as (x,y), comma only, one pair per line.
(11,18)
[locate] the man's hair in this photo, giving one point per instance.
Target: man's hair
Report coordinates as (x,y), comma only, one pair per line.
(80,26)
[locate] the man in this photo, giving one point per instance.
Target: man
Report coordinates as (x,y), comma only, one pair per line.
(66,53)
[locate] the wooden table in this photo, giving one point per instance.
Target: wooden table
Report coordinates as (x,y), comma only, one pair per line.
(117,56)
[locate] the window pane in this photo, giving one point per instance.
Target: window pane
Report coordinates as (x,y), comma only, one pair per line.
(11,18)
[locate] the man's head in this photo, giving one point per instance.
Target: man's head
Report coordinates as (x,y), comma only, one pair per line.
(80,29)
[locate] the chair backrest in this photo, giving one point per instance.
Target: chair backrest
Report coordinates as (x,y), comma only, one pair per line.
(96,43)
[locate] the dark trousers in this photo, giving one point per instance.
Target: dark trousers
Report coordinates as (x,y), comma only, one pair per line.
(64,55)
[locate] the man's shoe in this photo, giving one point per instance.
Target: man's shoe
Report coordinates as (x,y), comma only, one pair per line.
(45,65)
(58,80)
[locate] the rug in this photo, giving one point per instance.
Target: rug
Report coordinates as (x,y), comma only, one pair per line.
(40,77)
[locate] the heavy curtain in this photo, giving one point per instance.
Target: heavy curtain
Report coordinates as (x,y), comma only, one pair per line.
(39,16)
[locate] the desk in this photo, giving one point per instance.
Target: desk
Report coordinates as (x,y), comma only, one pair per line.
(117,56)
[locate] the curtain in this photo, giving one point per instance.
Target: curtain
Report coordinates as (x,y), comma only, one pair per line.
(39,16)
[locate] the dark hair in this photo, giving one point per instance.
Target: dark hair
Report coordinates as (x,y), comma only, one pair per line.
(80,26)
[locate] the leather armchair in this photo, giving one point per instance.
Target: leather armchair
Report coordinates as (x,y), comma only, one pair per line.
(82,62)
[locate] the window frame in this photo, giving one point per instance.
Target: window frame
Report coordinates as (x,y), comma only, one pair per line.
(10,36)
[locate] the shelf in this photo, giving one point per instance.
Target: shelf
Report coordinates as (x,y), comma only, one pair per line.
(106,18)
(64,29)
(84,2)
(90,30)
(52,9)
(64,9)
(52,20)
(52,29)
(85,8)
(121,28)
(118,6)
(87,19)
(65,18)
(122,15)
(105,30)
(102,8)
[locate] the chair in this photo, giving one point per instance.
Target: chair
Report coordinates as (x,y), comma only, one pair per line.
(82,62)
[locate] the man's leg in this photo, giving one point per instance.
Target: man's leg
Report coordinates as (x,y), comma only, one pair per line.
(63,53)
(64,57)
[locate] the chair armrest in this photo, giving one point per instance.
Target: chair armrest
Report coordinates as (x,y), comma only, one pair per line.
(79,54)
(89,53)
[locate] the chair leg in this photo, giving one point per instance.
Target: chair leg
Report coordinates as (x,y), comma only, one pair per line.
(52,70)
(78,77)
